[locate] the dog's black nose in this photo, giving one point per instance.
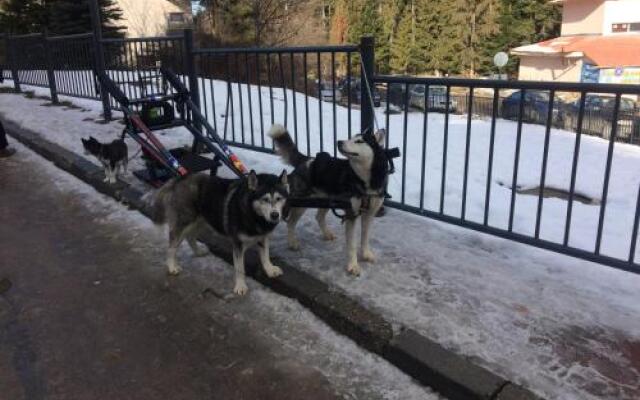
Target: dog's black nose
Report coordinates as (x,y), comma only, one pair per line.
(340,143)
(275,215)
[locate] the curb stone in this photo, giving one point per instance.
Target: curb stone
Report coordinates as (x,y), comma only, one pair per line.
(446,372)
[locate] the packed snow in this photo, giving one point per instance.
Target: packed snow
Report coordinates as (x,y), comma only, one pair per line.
(566,328)
(293,331)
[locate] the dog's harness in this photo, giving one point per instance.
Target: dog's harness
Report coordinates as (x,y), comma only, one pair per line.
(225,209)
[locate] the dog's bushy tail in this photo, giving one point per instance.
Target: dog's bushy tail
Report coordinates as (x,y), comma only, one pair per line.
(285,147)
(159,202)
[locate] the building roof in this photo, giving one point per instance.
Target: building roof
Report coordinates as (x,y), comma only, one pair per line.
(604,51)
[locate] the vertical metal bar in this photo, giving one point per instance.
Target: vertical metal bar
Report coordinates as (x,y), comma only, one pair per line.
(204,61)
(306,101)
(213,97)
(284,90)
(293,90)
(545,158)
(349,87)
(404,140)
(240,102)
(423,163)
(320,102)
(607,174)
(634,234)
(367,51)
(192,74)
(466,156)
(270,87)
(333,91)
(249,98)
(574,169)
(514,181)
(259,78)
(13,63)
(99,53)
(230,97)
(387,116)
(445,145)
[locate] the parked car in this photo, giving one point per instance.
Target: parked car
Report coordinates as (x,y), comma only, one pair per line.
(599,114)
(535,109)
(330,93)
(436,98)
(352,89)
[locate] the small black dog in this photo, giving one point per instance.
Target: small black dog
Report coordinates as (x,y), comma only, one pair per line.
(113,156)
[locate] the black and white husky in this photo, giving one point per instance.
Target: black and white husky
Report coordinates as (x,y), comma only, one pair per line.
(245,210)
(362,177)
(113,156)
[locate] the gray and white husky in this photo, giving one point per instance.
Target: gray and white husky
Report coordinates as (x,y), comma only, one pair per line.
(361,177)
(245,210)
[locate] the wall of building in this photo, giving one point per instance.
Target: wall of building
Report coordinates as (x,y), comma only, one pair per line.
(581,17)
(545,68)
(620,11)
(149,17)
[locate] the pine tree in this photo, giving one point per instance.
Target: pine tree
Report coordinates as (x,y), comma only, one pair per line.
(473,22)
(22,16)
(523,22)
(404,48)
(67,17)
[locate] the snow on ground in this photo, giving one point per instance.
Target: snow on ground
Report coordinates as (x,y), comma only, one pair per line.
(567,328)
(290,327)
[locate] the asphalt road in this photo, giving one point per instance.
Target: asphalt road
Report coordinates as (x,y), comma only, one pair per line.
(88,312)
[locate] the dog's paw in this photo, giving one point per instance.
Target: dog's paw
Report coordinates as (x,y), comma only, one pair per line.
(354,269)
(368,256)
(273,271)
(329,236)
(294,244)
(240,288)
(106,179)
(200,252)
(174,270)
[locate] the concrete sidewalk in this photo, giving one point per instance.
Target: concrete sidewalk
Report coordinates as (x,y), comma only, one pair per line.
(87,312)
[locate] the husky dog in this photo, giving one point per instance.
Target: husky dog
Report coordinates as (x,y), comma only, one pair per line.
(244,210)
(361,177)
(113,156)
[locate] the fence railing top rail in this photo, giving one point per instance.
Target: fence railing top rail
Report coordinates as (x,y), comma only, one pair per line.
(25,36)
(142,39)
(75,36)
(497,84)
(298,49)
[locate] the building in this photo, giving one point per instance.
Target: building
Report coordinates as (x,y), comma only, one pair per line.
(155,17)
(599,42)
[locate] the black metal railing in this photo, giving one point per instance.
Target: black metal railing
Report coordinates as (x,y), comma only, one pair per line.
(244,91)
(536,162)
(515,179)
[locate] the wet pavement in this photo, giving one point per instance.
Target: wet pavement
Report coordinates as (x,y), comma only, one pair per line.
(88,312)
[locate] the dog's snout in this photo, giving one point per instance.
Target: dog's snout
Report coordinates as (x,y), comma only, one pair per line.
(340,143)
(275,215)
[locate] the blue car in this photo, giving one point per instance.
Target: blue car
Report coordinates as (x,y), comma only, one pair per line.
(536,106)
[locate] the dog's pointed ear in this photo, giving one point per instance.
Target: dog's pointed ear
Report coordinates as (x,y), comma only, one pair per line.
(381,135)
(284,180)
(252,180)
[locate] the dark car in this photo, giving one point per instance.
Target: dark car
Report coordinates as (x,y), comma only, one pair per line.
(599,115)
(535,109)
(351,88)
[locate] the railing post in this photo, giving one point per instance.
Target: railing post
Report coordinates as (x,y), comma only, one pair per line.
(192,74)
(96,22)
(11,55)
(367,52)
(50,74)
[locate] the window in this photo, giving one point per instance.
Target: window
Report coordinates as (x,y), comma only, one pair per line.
(176,17)
(618,28)
(625,27)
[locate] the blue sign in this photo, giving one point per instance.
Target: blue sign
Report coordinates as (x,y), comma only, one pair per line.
(590,73)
